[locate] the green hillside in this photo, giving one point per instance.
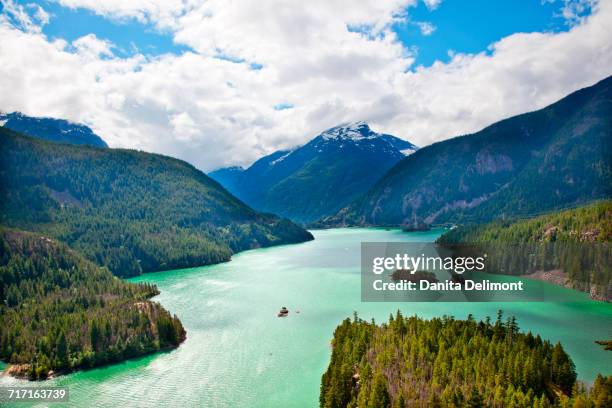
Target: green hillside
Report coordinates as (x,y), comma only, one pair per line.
(128,210)
(591,223)
(574,242)
(443,362)
(545,160)
(60,312)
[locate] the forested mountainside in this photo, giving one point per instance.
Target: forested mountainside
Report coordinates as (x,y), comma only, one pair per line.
(128,210)
(590,223)
(319,178)
(60,312)
(55,130)
(443,362)
(580,257)
(549,159)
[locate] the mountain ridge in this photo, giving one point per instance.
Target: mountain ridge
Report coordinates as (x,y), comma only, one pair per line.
(131,211)
(318,177)
(51,129)
(554,157)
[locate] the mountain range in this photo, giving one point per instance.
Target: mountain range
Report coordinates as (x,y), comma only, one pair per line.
(127,210)
(54,130)
(320,177)
(553,158)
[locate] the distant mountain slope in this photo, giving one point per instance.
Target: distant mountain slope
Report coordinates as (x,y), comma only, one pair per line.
(60,312)
(131,211)
(552,158)
(55,130)
(227,177)
(320,177)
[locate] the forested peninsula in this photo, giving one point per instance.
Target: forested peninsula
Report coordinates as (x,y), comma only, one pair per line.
(444,362)
(62,313)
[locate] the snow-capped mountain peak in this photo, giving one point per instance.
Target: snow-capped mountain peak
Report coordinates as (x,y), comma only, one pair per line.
(354,131)
(360,134)
(330,170)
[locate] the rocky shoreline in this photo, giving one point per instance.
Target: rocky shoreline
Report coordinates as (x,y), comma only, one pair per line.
(22,371)
(560,278)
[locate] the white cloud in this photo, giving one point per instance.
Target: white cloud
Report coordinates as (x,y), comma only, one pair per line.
(184,126)
(432,4)
(17,14)
(425,27)
(162,13)
(92,47)
(214,112)
(574,11)
(40,14)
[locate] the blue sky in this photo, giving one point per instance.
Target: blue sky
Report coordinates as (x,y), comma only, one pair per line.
(219,82)
(470,26)
(128,34)
(459,26)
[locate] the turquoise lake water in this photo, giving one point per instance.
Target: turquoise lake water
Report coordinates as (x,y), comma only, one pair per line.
(238,353)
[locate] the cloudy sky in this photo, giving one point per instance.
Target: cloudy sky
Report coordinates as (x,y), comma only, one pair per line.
(223,82)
